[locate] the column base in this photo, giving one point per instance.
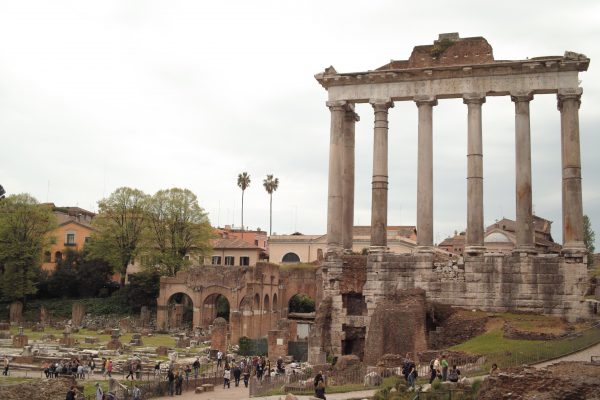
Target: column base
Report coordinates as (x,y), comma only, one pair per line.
(525,250)
(574,249)
(424,249)
(475,250)
(378,249)
(333,251)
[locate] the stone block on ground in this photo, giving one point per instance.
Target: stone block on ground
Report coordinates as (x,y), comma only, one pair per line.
(208,387)
(199,389)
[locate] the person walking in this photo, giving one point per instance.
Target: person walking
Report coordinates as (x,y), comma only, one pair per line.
(109,367)
(6,366)
(444,364)
(171,379)
(219,358)
(237,374)
(196,366)
(179,382)
(320,391)
(226,378)
(246,374)
(99,392)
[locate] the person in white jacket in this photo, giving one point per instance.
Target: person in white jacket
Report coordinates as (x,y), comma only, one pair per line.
(99,392)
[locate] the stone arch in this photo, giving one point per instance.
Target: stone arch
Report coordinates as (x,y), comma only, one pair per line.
(215,305)
(256,305)
(290,258)
(274,301)
(180,309)
(266,303)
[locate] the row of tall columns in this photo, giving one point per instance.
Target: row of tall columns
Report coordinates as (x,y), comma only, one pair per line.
(475,229)
(340,204)
(425,174)
(341,174)
(524,203)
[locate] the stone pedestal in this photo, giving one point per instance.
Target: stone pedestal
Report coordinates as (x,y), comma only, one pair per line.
(67,340)
(115,343)
(218,336)
(136,340)
(20,340)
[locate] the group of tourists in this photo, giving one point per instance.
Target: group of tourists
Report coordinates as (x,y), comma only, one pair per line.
(74,367)
(134,369)
(237,370)
(439,369)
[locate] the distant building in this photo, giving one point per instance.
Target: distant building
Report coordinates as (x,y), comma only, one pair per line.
(309,248)
(501,237)
(73,232)
(256,237)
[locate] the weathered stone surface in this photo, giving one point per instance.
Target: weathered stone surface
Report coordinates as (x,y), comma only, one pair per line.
(16,312)
(218,339)
(46,389)
(208,387)
(397,326)
(565,380)
(77,314)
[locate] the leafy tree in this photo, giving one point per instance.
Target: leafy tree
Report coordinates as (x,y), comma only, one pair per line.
(119,226)
(301,303)
(271,184)
(142,290)
(589,237)
(77,274)
(24,228)
(243,182)
(177,226)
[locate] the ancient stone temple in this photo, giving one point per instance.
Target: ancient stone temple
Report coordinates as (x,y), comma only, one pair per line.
(464,68)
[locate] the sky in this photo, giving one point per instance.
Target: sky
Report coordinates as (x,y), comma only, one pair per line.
(95,95)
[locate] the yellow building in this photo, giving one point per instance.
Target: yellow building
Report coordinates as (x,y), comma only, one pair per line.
(73,231)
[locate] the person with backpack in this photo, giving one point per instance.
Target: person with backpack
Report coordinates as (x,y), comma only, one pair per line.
(196,366)
(412,373)
(454,374)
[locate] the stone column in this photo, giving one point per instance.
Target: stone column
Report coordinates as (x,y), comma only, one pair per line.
(425,174)
(379,192)
(475,230)
(350,118)
(334,199)
(524,229)
(572,208)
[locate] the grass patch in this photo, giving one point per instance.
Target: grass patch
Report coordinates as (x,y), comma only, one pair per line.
(510,352)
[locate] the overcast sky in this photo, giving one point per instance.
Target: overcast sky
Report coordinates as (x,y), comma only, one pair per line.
(95,95)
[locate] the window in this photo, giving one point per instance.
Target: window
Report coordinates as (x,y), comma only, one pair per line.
(256,242)
(244,260)
(47,256)
(70,239)
(290,258)
(88,239)
(58,256)
(229,260)
(216,260)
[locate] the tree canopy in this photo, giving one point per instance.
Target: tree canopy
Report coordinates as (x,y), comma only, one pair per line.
(24,228)
(119,227)
(177,225)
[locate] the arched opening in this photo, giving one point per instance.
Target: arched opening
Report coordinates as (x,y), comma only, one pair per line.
(290,258)
(57,257)
(215,306)
(266,303)
(256,302)
(180,311)
(275,302)
(301,303)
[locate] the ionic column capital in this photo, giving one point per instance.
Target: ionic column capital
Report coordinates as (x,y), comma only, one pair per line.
(425,101)
(350,114)
(381,104)
(474,98)
(338,105)
(568,94)
(520,97)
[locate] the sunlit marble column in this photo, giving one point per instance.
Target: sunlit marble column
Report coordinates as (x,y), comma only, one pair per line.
(524,229)
(350,119)
(425,174)
(569,101)
(475,230)
(334,198)
(380,176)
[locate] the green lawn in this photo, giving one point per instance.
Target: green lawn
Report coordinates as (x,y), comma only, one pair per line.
(509,352)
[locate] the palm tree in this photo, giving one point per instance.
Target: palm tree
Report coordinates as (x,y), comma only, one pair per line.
(243,182)
(271,184)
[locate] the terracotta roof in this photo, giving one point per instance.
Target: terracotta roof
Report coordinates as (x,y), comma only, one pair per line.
(233,243)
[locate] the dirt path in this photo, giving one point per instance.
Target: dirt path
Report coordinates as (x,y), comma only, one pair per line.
(583,355)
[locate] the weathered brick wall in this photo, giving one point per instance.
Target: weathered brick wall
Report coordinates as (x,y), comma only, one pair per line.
(278,344)
(397,326)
